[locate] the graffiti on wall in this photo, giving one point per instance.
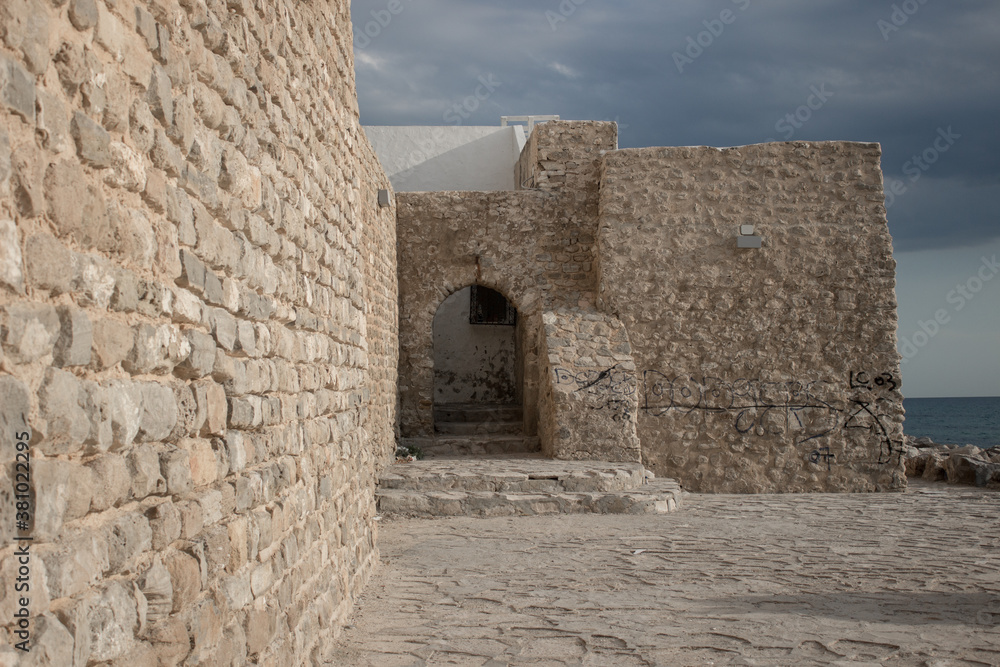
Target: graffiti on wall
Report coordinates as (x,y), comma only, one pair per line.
(812,409)
(612,389)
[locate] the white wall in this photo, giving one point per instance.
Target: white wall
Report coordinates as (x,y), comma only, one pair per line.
(437,158)
(473,363)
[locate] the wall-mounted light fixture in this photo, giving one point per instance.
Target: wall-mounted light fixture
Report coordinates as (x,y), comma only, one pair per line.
(746,238)
(383,198)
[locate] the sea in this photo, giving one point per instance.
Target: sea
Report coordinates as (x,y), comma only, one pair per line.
(959,421)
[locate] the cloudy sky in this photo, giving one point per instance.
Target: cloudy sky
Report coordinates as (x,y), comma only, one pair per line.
(922,77)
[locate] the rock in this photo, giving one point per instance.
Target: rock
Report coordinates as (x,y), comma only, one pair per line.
(157,349)
(62,493)
(185,579)
(159,412)
(75,338)
(112,342)
(112,481)
(53,122)
(62,404)
(175,466)
(964,469)
(74,566)
(83,14)
(160,97)
(125,410)
(93,143)
(49,264)
(934,470)
(11,272)
(156,586)
(128,537)
(17,89)
(165,522)
(127,169)
(144,469)
(201,360)
(51,643)
(15,407)
(113,623)
(30,331)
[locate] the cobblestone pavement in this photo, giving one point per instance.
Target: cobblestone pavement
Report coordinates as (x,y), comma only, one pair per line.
(880,579)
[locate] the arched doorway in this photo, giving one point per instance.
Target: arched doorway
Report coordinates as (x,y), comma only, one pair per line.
(477,364)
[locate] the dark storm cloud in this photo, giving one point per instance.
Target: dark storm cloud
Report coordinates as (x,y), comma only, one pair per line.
(757,70)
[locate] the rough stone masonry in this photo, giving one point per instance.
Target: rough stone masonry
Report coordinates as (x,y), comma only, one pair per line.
(197,327)
(650,335)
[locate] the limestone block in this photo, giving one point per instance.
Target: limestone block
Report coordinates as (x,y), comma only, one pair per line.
(189,417)
(62,403)
(51,642)
(160,97)
(202,461)
(5,166)
(155,192)
(205,628)
(201,359)
(200,185)
(224,329)
(94,281)
(109,33)
(15,407)
(157,349)
(193,271)
(62,493)
(30,331)
(246,338)
(112,481)
(127,168)
(83,14)
(192,519)
(212,397)
(165,155)
(128,536)
(114,620)
(175,466)
(171,639)
(49,264)
(53,122)
(74,566)
(75,338)
(145,25)
(92,141)
(77,208)
(185,578)
(142,126)
(159,412)
(235,591)
(159,591)
(165,522)
(187,308)
(17,89)
(182,131)
(112,342)
(144,469)
(11,272)
(125,411)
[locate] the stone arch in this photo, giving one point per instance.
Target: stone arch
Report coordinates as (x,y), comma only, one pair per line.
(416,372)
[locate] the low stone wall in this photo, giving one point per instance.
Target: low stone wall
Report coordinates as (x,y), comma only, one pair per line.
(759,370)
(588,400)
(198,326)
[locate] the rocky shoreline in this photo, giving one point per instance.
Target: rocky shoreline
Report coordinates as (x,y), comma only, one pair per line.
(955,464)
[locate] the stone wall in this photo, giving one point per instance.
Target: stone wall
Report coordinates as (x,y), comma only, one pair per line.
(759,370)
(588,398)
(198,324)
(536,247)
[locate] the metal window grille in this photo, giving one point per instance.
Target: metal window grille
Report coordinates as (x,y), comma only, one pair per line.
(488,306)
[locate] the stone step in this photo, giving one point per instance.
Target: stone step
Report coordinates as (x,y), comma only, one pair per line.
(474,445)
(477,412)
(513,475)
(478,428)
(657,497)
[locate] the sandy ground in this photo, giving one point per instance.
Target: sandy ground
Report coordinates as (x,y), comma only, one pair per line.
(881,579)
